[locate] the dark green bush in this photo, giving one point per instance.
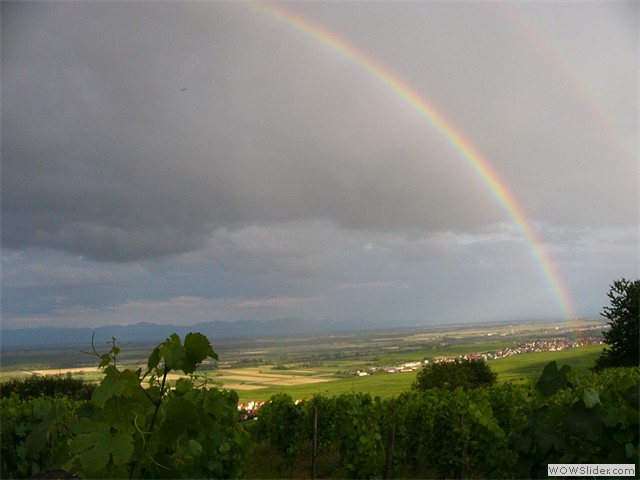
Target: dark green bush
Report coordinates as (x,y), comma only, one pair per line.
(34,434)
(451,375)
(47,386)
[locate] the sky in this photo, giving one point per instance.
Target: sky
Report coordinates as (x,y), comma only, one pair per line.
(183,162)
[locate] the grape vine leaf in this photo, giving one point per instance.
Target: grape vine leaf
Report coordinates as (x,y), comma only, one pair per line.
(623,437)
(632,395)
(553,379)
(195,447)
(97,447)
(197,348)
(115,384)
(41,408)
(630,450)
(580,421)
(590,398)
(154,358)
(173,352)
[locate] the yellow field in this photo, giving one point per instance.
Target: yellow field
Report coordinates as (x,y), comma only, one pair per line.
(257,378)
(63,371)
(232,379)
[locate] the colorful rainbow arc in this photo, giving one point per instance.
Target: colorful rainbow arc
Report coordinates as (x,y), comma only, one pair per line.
(454,137)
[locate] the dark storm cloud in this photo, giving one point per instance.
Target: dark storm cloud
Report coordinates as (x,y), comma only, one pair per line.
(134,130)
(87,160)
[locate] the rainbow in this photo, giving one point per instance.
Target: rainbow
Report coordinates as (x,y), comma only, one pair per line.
(479,165)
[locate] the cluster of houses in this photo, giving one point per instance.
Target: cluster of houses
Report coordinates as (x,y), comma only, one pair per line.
(550,345)
(405,367)
(249,410)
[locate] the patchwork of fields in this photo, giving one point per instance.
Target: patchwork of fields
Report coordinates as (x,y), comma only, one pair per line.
(253,378)
(324,364)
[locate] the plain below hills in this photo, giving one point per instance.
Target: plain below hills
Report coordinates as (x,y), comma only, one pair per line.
(150,333)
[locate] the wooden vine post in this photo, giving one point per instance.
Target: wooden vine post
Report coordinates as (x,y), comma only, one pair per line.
(314,443)
(391,437)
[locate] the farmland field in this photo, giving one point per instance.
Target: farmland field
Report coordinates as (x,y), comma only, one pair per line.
(303,366)
(515,368)
(520,367)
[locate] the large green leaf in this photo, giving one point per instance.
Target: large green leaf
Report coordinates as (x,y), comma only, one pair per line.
(591,398)
(197,348)
(173,353)
(185,357)
(116,384)
(553,379)
(623,437)
(96,448)
(581,421)
(154,358)
(180,416)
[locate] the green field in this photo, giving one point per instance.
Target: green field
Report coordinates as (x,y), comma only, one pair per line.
(381,384)
(515,368)
(526,365)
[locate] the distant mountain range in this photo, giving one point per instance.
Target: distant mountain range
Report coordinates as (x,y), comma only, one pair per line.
(153,333)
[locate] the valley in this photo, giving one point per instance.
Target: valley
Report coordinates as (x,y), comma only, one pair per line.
(340,362)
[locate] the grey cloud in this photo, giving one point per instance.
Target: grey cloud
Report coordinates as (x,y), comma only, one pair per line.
(106,243)
(106,154)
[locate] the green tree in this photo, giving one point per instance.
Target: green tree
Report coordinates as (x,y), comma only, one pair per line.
(459,373)
(623,337)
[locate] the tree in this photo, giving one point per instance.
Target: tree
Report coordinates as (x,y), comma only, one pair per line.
(459,373)
(623,337)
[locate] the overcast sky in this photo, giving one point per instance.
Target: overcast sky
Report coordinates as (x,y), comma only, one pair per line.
(180,162)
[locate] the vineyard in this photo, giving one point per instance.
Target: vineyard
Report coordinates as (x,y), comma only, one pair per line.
(136,424)
(505,431)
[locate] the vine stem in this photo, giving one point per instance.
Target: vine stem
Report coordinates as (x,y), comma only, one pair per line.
(155,413)
(153,419)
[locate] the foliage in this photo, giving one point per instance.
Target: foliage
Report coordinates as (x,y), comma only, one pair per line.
(285,436)
(589,419)
(358,434)
(623,338)
(34,434)
(47,385)
(501,431)
(348,429)
(451,375)
(135,426)
(435,431)
(153,431)
(444,433)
